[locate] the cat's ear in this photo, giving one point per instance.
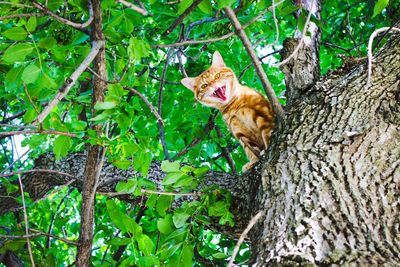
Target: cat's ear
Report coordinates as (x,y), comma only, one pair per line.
(188,83)
(217,60)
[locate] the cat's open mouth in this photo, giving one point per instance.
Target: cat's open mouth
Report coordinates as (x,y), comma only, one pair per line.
(220,93)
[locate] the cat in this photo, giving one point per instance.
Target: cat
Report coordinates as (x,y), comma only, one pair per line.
(247,113)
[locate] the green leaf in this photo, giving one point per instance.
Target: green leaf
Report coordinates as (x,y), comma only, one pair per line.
(165,225)
(47,42)
(224,3)
(172,178)
(148,261)
(138,49)
(180,218)
(123,164)
(145,244)
(206,7)
(31,24)
(14,74)
(186,257)
(167,166)
(131,226)
(119,241)
(104,105)
(163,204)
(15,34)
(183,5)
(379,6)
(17,52)
(115,214)
(128,186)
(30,74)
(219,255)
(151,201)
(61,146)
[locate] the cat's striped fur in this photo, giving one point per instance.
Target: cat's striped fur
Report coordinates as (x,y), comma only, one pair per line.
(247,113)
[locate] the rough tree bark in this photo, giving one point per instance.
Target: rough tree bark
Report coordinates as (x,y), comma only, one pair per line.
(330,182)
(95,153)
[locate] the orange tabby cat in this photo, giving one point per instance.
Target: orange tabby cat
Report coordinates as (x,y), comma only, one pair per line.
(247,113)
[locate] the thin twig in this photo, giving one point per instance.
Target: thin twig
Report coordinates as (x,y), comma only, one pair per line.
(252,222)
(63,91)
(17,126)
(36,170)
(124,71)
(21,187)
(55,236)
(260,71)
(76,25)
(15,4)
(371,40)
(133,7)
(209,126)
(165,81)
(275,22)
(225,152)
(19,236)
(145,191)
(182,17)
(223,37)
(3,134)
(23,15)
(152,108)
(251,64)
(54,215)
(303,35)
(160,94)
(30,99)
(15,161)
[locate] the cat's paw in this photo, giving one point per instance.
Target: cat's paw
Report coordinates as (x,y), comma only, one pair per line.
(248,166)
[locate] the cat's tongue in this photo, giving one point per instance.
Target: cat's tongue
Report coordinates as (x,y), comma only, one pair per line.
(220,92)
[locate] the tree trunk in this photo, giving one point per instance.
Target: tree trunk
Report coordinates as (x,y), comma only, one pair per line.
(331,178)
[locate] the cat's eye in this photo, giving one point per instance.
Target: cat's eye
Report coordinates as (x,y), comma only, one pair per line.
(204,85)
(217,76)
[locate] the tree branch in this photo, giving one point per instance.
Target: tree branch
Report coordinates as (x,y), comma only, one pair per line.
(160,93)
(223,37)
(63,91)
(5,134)
(151,107)
(23,15)
(182,17)
(79,26)
(263,77)
(139,10)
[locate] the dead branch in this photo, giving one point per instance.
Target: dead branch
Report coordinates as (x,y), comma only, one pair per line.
(263,77)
